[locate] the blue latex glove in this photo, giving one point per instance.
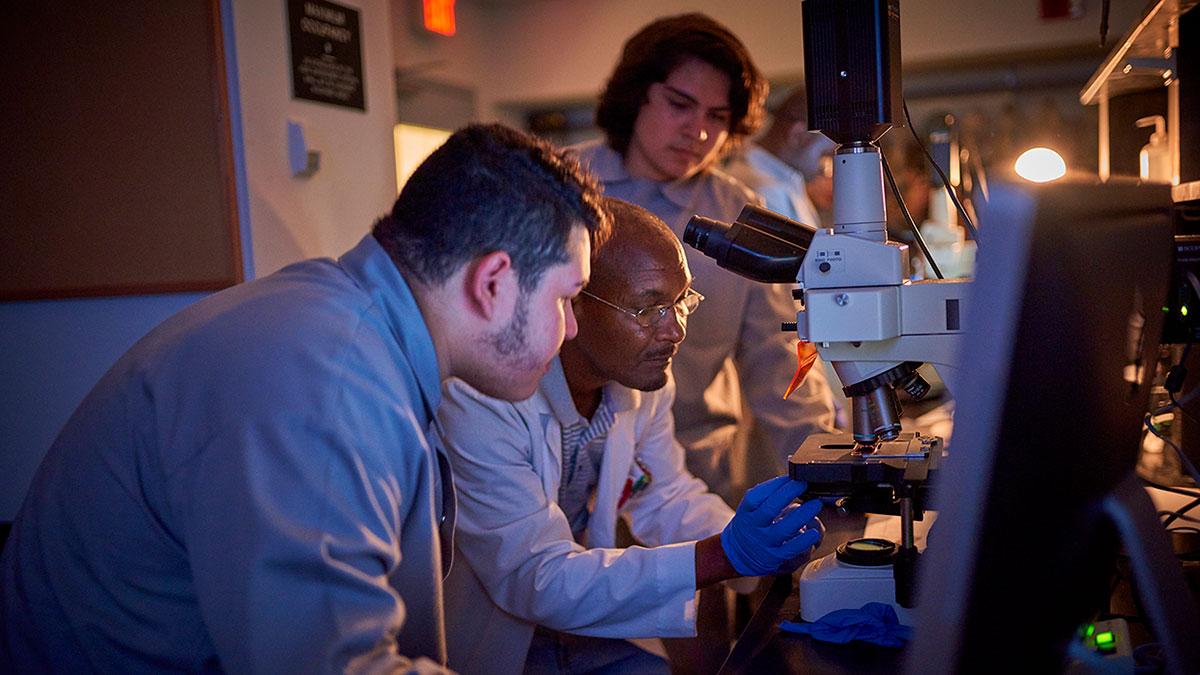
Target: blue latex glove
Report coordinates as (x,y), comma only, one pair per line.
(768,534)
(875,623)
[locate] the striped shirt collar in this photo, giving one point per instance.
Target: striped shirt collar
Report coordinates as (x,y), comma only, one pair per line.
(558,394)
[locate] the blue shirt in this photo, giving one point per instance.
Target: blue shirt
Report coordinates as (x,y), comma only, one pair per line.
(782,188)
(254,486)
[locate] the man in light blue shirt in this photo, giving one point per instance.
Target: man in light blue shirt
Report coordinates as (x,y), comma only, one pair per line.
(777,163)
(258,484)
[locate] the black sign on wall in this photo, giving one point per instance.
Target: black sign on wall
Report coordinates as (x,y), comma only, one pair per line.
(326,53)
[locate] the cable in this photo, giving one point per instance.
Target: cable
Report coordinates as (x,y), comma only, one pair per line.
(1186,492)
(1176,403)
(980,175)
(1173,383)
(1183,459)
(1176,373)
(1172,516)
(887,171)
(1181,513)
(945,181)
(1104,23)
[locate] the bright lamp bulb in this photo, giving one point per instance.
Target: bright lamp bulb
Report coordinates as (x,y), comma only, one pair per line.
(1040,165)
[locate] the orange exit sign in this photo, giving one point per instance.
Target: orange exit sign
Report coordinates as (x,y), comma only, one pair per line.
(439,16)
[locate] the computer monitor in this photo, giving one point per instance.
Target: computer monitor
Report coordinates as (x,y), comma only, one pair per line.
(1039,488)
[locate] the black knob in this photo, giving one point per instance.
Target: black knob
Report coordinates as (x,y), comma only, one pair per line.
(824,266)
(915,386)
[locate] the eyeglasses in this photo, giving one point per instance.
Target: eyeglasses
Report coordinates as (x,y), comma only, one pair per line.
(650,316)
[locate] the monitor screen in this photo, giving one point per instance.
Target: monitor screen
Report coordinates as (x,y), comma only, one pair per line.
(1063,329)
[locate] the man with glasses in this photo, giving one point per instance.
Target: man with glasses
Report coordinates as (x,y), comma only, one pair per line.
(542,483)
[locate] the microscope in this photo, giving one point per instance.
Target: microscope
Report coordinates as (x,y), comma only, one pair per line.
(856,302)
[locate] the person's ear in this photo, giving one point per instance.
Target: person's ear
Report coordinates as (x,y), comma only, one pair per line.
(489,280)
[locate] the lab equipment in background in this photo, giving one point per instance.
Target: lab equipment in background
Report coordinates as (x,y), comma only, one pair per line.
(1154,161)
(1157,461)
(1153,70)
(946,238)
(1102,647)
(1042,480)
(1173,412)
(1041,488)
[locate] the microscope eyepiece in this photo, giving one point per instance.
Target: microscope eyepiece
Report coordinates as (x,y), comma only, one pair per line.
(760,245)
(699,229)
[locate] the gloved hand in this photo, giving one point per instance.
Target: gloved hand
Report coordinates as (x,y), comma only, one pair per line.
(768,534)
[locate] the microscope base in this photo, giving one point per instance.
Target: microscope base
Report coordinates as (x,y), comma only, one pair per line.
(828,584)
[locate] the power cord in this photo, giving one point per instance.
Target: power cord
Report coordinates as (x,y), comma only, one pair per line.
(1173,383)
(1181,514)
(887,171)
(1183,459)
(945,181)
(1186,492)
(1104,7)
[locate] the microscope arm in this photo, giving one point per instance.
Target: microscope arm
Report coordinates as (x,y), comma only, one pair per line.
(865,331)
(852,362)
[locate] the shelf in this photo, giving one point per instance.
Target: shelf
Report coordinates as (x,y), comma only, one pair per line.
(1186,192)
(1143,58)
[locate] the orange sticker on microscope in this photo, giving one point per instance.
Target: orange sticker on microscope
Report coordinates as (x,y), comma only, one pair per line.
(806,356)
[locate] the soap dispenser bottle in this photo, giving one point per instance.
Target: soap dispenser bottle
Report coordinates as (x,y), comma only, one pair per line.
(1154,161)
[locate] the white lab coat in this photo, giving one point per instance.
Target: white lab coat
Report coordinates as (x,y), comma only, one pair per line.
(517,564)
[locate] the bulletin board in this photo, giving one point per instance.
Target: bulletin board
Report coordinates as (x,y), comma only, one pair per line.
(117,153)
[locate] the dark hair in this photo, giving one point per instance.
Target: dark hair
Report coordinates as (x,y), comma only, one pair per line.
(490,188)
(656,51)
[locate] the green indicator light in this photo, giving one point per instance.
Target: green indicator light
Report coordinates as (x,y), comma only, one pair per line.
(1167,309)
(1183,310)
(1091,630)
(1105,639)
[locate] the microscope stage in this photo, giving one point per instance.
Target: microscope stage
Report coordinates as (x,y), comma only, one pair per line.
(833,465)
